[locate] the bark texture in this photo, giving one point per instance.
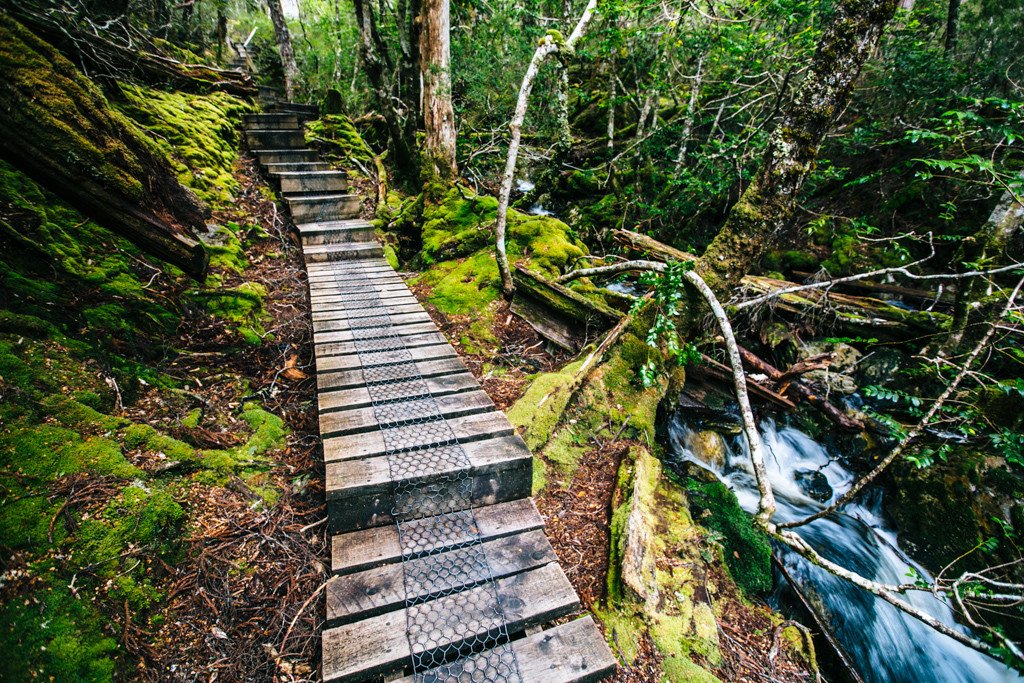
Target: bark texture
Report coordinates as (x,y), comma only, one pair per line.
(438,116)
(766,206)
(284,47)
(56,127)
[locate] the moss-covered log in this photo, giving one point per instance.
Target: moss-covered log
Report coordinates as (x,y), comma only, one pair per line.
(558,313)
(56,126)
(140,61)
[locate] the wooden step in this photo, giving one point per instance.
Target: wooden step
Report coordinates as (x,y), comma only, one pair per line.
(377,645)
(274,170)
(332,232)
(320,208)
(385,588)
(361,493)
(367,548)
(353,361)
(347,379)
(359,396)
(276,139)
(341,251)
(333,300)
(368,267)
(252,122)
(325,311)
(305,111)
(326,352)
(466,429)
(357,420)
(312,182)
(574,652)
(284,156)
(413,327)
(341,325)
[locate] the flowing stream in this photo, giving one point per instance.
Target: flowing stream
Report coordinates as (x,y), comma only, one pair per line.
(886,645)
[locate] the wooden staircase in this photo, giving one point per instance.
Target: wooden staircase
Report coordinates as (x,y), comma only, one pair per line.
(441,570)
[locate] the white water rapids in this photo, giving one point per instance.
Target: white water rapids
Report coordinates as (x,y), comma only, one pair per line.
(887,646)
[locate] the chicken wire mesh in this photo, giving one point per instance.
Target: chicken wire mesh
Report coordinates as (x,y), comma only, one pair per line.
(455,623)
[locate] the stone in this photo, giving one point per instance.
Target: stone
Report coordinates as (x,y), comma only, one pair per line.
(814,484)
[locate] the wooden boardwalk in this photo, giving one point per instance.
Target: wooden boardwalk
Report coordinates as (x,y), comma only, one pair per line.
(441,570)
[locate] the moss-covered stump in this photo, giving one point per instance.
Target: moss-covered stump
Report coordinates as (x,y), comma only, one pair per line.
(657,579)
(56,126)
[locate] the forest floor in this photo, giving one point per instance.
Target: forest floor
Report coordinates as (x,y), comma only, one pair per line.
(242,603)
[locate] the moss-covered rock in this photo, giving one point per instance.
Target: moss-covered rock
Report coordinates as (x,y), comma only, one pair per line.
(338,140)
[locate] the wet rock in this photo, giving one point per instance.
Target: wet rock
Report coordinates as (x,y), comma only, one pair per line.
(837,377)
(879,366)
(708,447)
(814,484)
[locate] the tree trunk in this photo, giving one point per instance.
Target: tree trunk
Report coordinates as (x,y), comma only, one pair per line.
(377,65)
(284,47)
(952,25)
(767,205)
(438,117)
(990,242)
(57,128)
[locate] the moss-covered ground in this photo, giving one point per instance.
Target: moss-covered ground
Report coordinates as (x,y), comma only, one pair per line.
(108,438)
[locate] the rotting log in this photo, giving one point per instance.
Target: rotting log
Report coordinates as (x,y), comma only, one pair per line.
(852,315)
(56,127)
(557,313)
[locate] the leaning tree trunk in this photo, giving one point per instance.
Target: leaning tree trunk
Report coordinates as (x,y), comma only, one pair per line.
(549,44)
(284,47)
(767,205)
(56,127)
(438,159)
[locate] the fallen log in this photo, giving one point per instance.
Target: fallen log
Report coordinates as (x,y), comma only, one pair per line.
(801,391)
(924,297)
(56,127)
(723,373)
(557,313)
(849,314)
(138,59)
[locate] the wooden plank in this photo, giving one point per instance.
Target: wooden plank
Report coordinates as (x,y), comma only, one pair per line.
(346,335)
(417,352)
(368,548)
(325,351)
(344,379)
(370,444)
(356,420)
(574,652)
(359,651)
(381,589)
(344,302)
(360,493)
(358,397)
(400,319)
(394,308)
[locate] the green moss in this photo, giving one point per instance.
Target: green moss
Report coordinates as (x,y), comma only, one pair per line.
(145,438)
(679,669)
(746,549)
(77,415)
(242,306)
(540,409)
(58,637)
(198,133)
(338,140)
(191,420)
